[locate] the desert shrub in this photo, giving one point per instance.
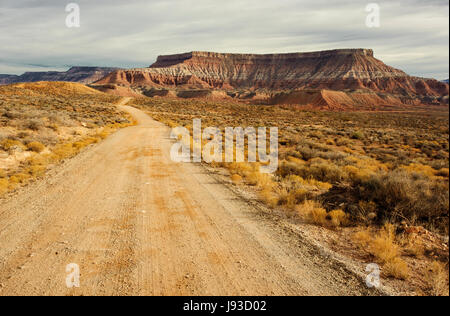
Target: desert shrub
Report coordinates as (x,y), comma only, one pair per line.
(362,238)
(358,135)
(286,198)
(310,183)
(9,144)
(3,185)
(383,245)
(317,168)
(439,164)
(314,212)
(33,124)
(385,249)
(402,195)
(332,155)
(36,170)
(85,142)
(36,147)
(437,279)
(338,218)
(236,179)
(287,168)
(306,153)
(19,178)
(63,151)
(300,195)
(341,141)
(11,114)
(261,180)
(419,168)
(324,171)
(367,211)
(358,175)
(269,197)
(318,215)
(443,172)
(396,268)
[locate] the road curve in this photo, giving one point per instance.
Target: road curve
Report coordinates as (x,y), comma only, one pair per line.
(137,223)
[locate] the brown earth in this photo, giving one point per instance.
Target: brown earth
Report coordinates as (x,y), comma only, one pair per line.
(137,223)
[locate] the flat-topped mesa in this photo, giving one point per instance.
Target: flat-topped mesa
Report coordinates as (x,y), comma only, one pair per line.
(169,60)
(339,70)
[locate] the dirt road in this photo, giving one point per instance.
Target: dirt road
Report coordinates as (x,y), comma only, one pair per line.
(137,223)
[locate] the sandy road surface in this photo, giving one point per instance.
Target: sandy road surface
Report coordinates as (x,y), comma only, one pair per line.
(137,223)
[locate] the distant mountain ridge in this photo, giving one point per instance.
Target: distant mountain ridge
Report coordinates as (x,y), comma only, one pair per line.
(7,79)
(85,75)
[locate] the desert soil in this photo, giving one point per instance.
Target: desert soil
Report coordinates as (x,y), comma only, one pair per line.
(137,223)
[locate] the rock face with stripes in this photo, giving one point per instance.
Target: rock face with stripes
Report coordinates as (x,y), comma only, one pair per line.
(334,70)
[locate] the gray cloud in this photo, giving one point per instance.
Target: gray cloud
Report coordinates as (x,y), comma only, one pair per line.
(413,35)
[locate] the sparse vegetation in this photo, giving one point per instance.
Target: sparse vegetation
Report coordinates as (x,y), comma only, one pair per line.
(36,147)
(339,169)
(437,281)
(44,123)
(385,249)
(396,162)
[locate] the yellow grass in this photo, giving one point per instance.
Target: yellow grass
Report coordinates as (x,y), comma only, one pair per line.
(312,211)
(269,197)
(437,279)
(236,179)
(384,248)
(8,144)
(338,218)
(396,268)
(4,184)
(36,147)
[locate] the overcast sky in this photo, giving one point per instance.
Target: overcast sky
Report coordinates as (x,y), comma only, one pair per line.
(413,35)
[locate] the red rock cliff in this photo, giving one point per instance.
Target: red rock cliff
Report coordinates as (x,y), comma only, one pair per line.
(342,69)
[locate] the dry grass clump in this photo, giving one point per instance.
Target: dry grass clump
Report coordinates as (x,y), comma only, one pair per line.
(397,268)
(317,168)
(339,218)
(249,172)
(4,185)
(36,147)
(437,279)
(385,249)
(314,212)
(269,197)
(236,179)
(11,144)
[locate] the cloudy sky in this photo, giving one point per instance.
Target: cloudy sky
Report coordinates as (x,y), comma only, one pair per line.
(413,34)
